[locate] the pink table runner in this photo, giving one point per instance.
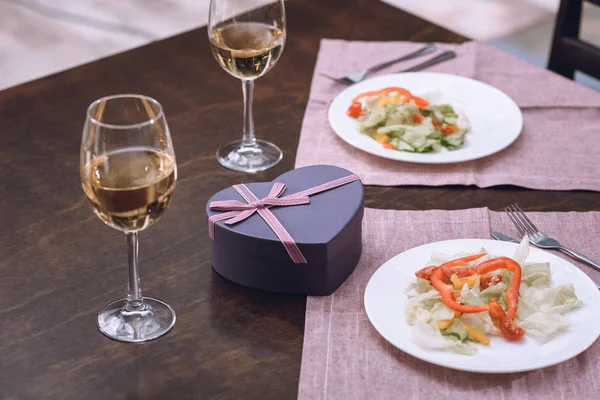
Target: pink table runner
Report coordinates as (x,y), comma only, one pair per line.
(345,358)
(557,150)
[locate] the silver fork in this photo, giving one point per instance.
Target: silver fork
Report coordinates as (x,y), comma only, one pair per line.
(360,75)
(526,227)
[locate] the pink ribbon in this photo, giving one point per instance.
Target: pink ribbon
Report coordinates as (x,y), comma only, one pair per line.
(238,211)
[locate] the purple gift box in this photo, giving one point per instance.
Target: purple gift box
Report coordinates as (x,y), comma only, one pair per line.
(301,233)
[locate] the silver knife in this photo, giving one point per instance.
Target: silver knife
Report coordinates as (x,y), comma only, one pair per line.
(505,238)
(447,55)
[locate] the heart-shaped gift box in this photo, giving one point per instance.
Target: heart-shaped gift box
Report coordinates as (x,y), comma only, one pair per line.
(327,231)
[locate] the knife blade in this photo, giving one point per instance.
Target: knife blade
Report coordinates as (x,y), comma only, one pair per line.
(502,237)
(505,238)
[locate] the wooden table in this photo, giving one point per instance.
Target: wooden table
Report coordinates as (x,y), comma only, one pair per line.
(59,264)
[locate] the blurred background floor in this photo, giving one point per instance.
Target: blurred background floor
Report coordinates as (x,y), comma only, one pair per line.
(41,37)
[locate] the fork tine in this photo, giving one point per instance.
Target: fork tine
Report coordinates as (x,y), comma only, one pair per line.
(521,216)
(516,223)
(509,211)
(519,221)
(531,224)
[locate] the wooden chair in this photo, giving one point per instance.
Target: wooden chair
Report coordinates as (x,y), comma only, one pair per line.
(569,53)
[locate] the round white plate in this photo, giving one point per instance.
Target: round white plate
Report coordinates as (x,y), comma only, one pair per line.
(385,301)
(496,121)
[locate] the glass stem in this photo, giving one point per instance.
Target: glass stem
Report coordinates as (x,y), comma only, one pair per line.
(248,139)
(134,294)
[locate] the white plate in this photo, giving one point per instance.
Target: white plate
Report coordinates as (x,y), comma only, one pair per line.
(496,121)
(385,301)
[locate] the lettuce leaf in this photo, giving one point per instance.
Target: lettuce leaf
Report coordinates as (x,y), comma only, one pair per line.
(400,144)
(420,304)
(423,285)
(402,114)
(493,291)
(428,336)
(375,117)
(522,251)
(556,300)
(455,140)
(481,321)
(536,274)
(471,296)
(545,324)
(456,329)
(440,312)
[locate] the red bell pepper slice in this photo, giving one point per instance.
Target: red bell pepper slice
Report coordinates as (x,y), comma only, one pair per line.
(354,110)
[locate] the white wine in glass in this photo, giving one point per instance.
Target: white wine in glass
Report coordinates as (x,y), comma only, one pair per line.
(247,50)
(130,189)
(128,174)
(247,42)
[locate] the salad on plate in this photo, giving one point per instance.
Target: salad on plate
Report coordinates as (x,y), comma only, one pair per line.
(400,121)
(458,302)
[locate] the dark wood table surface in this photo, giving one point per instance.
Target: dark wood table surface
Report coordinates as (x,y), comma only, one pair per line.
(59,264)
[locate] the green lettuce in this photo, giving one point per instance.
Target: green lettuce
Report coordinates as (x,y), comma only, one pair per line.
(396,121)
(540,311)
(536,274)
(428,336)
(545,324)
(455,140)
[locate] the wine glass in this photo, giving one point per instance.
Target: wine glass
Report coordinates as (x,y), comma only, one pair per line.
(247,42)
(128,174)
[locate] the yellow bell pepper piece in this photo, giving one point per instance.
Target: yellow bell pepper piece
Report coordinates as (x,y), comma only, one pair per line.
(443,324)
(477,335)
(458,283)
(382,138)
(385,100)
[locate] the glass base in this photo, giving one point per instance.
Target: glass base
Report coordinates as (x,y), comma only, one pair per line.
(238,157)
(154,319)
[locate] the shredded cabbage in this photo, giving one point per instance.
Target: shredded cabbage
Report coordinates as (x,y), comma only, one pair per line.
(545,324)
(440,312)
(428,336)
(522,251)
(420,305)
(556,300)
(539,313)
(536,274)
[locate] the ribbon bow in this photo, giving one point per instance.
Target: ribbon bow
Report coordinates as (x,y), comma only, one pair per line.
(245,210)
(239,211)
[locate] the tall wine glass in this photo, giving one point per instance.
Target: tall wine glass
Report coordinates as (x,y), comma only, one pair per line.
(247,42)
(128,174)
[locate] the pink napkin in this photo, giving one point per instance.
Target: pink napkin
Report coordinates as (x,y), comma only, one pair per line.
(345,358)
(557,150)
